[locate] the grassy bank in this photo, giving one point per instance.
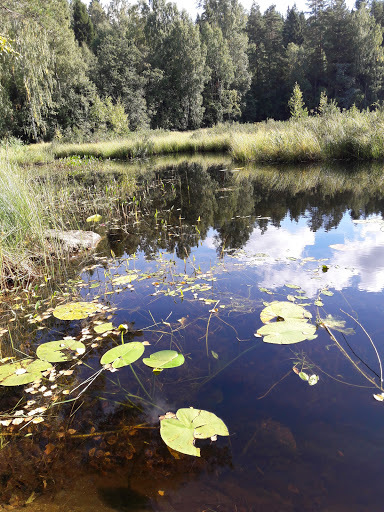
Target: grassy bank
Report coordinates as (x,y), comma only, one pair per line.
(348,135)
(26,211)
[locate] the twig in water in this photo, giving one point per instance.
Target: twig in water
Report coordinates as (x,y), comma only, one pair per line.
(373,345)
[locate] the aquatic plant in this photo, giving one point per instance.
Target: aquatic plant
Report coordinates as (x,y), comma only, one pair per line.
(60,350)
(123,355)
(179,431)
(163,359)
(293,328)
(22,372)
(76,310)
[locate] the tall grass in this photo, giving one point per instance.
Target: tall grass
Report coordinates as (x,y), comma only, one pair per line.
(23,220)
(348,135)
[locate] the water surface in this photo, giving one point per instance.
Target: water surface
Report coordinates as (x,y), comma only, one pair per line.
(211,244)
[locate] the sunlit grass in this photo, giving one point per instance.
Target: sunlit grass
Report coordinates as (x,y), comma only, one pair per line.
(349,135)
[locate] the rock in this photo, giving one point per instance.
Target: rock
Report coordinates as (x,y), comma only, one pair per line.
(74,240)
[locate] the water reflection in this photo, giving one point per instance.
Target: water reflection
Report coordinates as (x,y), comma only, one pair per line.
(285,213)
(292,446)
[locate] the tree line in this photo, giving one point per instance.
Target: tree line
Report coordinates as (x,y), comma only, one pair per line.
(71,70)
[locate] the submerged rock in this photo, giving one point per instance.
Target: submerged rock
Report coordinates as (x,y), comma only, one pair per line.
(74,240)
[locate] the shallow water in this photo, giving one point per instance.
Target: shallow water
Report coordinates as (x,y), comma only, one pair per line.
(231,240)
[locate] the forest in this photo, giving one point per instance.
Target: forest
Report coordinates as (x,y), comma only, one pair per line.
(72,72)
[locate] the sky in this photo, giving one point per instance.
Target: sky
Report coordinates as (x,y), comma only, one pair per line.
(281,5)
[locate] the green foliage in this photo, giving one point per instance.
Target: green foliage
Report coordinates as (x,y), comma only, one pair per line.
(22,372)
(180,430)
(123,355)
(296,103)
(76,310)
(287,332)
(164,359)
(92,74)
(291,326)
(60,350)
(81,23)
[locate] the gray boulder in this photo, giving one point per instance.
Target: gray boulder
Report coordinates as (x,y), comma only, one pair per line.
(74,240)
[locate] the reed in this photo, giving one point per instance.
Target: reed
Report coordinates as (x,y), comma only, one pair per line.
(24,218)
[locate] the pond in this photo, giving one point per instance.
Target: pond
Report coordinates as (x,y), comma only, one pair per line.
(197,257)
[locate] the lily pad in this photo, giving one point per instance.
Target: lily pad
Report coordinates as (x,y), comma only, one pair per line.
(164,359)
(286,310)
(123,355)
(287,332)
(102,328)
(76,310)
(125,279)
(22,372)
(180,432)
(60,350)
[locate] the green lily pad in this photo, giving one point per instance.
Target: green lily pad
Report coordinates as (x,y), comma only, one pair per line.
(22,372)
(60,350)
(179,432)
(123,355)
(125,279)
(287,332)
(164,359)
(304,376)
(327,292)
(76,310)
(102,328)
(286,310)
(94,218)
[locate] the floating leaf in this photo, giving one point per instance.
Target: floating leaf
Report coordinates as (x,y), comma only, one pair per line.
(291,298)
(60,350)
(100,329)
(94,218)
(379,398)
(125,279)
(123,355)
(214,354)
(10,373)
(287,332)
(286,310)
(294,286)
(75,310)
(337,325)
(313,379)
(164,359)
(304,376)
(327,292)
(180,432)
(319,303)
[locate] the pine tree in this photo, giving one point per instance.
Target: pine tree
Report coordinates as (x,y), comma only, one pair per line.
(294,26)
(81,23)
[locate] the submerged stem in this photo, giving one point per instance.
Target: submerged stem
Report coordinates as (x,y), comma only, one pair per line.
(373,345)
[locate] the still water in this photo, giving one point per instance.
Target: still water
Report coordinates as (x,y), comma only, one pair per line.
(210,245)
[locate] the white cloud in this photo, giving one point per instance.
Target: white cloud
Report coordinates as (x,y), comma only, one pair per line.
(361,257)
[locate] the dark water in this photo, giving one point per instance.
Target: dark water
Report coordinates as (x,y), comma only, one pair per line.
(229,233)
